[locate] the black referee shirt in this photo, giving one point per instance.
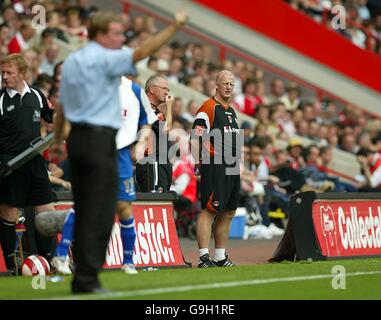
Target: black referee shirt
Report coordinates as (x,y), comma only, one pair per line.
(20,118)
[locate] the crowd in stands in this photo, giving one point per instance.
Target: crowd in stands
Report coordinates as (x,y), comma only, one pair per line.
(363,19)
(281,111)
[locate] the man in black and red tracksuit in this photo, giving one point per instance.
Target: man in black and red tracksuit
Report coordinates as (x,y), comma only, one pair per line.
(216,125)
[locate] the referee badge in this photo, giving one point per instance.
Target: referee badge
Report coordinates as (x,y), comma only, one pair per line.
(230,119)
(216,203)
(36,116)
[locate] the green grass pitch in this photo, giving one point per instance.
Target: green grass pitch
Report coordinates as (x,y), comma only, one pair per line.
(316,280)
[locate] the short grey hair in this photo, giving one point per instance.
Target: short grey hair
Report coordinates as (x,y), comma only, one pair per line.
(153,81)
(223,73)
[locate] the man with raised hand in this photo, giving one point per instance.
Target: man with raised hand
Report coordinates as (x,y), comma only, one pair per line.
(90,102)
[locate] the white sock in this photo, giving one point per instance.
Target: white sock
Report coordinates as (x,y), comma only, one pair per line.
(203,251)
(219,254)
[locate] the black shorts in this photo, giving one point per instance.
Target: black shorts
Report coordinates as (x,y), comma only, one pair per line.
(155,176)
(27,186)
(219,191)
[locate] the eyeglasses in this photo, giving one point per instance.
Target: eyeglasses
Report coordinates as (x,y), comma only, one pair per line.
(163,88)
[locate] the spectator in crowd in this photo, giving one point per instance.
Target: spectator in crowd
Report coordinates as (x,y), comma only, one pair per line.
(276,91)
(10,17)
(251,195)
(313,130)
(348,143)
(295,149)
(370,163)
(19,41)
(210,85)
(191,112)
(53,24)
(102,59)
(314,170)
(84,9)
(22,7)
(46,41)
(248,101)
(237,68)
(364,141)
(184,183)
(272,192)
(49,63)
(302,128)
(177,108)
(195,82)
(175,73)
(297,116)
(137,27)
(289,179)
(45,83)
(333,141)
(308,111)
(74,25)
(326,156)
(261,130)
(33,60)
(263,114)
(322,135)
(162,67)
(292,99)
(247,131)
(362,14)
(5,33)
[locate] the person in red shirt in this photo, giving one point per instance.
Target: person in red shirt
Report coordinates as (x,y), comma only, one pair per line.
(370,163)
(249,100)
(19,42)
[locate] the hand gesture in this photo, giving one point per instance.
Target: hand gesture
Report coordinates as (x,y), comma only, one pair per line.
(170,99)
(362,160)
(181,18)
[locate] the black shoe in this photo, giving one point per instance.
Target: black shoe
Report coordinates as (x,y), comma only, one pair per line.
(93,290)
(12,272)
(100,290)
(206,262)
(224,263)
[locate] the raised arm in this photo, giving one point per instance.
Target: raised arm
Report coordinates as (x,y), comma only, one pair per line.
(152,44)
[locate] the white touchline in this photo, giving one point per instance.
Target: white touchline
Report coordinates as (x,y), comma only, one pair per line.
(134,293)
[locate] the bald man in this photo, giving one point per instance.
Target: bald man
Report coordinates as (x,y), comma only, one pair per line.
(215,133)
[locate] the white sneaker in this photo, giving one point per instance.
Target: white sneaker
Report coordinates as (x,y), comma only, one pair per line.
(275,231)
(246,232)
(129,268)
(61,264)
(260,231)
